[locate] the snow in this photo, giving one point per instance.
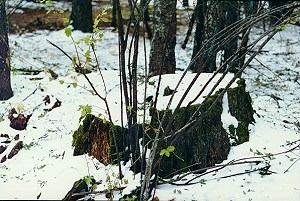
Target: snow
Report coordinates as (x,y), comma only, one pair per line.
(46,165)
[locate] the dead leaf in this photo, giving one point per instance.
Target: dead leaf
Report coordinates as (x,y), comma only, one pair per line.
(3,159)
(15,150)
(18,121)
(17,137)
(2,148)
(47,100)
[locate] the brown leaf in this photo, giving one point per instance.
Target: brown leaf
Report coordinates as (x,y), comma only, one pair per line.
(47,100)
(56,104)
(3,159)
(11,113)
(17,137)
(2,148)
(15,150)
(4,135)
(20,122)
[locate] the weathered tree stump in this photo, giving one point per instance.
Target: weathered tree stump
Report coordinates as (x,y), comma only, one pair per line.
(95,137)
(205,144)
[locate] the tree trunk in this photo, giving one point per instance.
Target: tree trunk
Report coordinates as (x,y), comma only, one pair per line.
(199,33)
(231,16)
(162,54)
(5,86)
(210,22)
(82,15)
(114,14)
(146,18)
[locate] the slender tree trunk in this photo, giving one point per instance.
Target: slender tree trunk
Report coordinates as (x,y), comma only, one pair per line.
(231,16)
(162,53)
(81,15)
(5,86)
(114,14)
(199,14)
(249,8)
(146,18)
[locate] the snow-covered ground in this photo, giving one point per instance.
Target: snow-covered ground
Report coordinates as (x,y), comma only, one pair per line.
(46,165)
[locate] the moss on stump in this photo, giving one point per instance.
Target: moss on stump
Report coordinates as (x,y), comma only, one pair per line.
(205,144)
(240,107)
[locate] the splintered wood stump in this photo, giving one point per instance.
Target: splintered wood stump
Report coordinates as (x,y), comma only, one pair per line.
(94,137)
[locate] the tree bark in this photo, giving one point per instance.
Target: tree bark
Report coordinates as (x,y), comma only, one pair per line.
(114,14)
(5,85)
(199,33)
(162,53)
(81,15)
(231,16)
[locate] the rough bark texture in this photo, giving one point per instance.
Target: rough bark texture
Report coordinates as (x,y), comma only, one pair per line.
(5,86)
(207,142)
(162,53)
(231,15)
(240,107)
(94,137)
(199,33)
(82,15)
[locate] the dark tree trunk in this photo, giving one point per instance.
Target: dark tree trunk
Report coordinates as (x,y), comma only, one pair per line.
(162,54)
(249,8)
(114,14)
(210,21)
(146,18)
(231,16)
(82,15)
(5,86)
(199,33)
(213,24)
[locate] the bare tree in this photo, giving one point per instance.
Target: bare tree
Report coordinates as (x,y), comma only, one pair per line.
(5,84)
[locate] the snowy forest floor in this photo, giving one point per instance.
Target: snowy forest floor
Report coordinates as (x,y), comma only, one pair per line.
(46,167)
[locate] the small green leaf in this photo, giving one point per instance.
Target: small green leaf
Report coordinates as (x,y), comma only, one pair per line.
(88,180)
(94,187)
(202,181)
(87,54)
(87,39)
(42,114)
(61,81)
(104,19)
(162,152)
(65,20)
(68,31)
(129,107)
(167,154)
(170,148)
(74,84)
(74,61)
(1,118)
(60,10)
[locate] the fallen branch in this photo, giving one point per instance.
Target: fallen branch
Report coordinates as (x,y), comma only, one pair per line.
(230,163)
